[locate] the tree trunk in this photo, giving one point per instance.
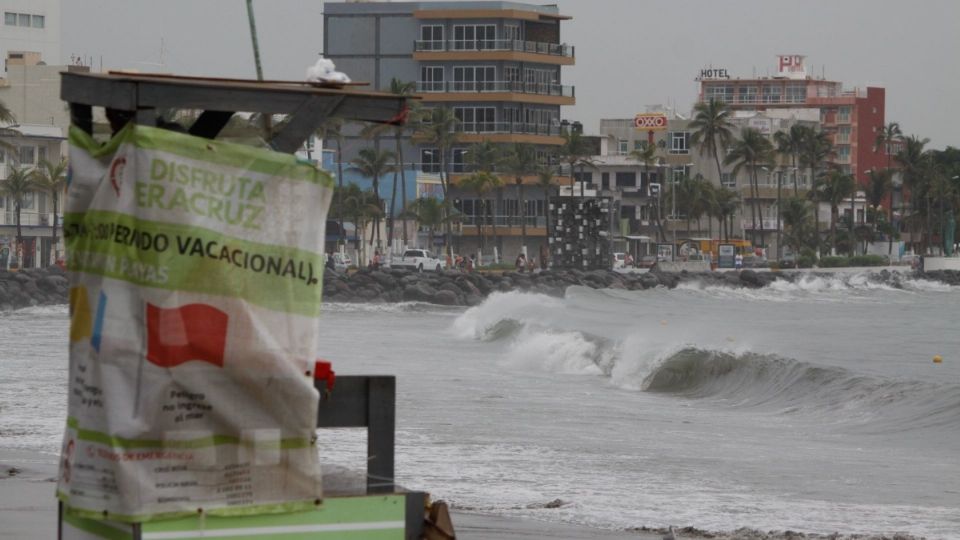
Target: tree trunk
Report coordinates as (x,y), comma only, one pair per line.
(403,188)
(16,208)
(53,233)
(816,210)
(497,239)
(343,238)
(393,216)
(834,215)
(479,223)
(523,217)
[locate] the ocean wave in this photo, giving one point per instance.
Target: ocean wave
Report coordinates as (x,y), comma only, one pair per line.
(32,311)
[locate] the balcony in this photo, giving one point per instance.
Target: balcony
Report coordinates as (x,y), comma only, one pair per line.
(509,132)
(495,45)
(512,91)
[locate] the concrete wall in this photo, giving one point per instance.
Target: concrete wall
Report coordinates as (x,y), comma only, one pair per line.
(33,95)
(44,40)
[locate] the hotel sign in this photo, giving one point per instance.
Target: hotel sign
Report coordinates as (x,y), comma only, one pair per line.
(791,66)
(712,73)
(650,121)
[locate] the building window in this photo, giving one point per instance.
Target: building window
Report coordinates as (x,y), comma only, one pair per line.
(458,160)
(843,135)
(27,203)
(430,160)
(680,142)
(605,180)
(476,119)
(626,179)
(622,147)
(718,92)
(474,37)
(431,37)
(540,81)
(796,93)
(728,180)
(38,21)
(41,154)
(431,79)
(843,115)
(511,33)
(843,153)
(24,19)
(9,19)
(747,95)
(771,94)
(474,78)
(27,155)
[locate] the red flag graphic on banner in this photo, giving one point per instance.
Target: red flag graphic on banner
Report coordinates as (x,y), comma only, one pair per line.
(190,332)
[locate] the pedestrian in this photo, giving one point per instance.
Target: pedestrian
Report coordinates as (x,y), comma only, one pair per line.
(738,261)
(521,262)
(329,262)
(375,263)
(628,261)
(470,264)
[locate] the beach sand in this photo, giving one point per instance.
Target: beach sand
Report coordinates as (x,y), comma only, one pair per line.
(28,509)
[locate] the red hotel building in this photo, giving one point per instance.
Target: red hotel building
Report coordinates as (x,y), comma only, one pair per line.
(852,117)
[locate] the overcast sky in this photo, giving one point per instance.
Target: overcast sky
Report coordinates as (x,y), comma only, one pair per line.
(629,53)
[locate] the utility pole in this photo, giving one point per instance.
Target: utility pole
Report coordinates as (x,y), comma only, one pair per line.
(253,38)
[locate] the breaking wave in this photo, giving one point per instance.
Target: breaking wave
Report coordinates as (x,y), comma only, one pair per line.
(734,377)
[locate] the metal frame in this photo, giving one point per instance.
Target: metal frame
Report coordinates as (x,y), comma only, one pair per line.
(140,96)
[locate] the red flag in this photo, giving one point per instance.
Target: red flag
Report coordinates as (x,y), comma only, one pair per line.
(190,332)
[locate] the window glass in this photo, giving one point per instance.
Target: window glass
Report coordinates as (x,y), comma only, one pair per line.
(622,147)
(41,154)
(24,19)
(728,180)
(431,79)
(626,179)
(679,142)
(27,201)
(27,155)
(430,160)
(38,21)
(9,19)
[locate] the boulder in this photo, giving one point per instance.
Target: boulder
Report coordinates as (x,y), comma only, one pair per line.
(420,292)
(445,298)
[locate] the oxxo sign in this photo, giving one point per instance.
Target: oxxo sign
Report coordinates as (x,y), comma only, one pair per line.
(650,121)
(711,73)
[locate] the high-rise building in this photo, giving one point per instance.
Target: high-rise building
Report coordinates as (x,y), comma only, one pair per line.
(496,65)
(852,117)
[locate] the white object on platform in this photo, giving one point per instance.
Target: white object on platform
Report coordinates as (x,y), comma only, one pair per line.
(324,70)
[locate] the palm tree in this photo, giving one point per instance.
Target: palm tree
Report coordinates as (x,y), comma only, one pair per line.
(797,230)
(573,151)
(53,180)
(6,116)
(728,201)
(545,181)
(790,144)
(833,189)
(817,148)
(520,161)
(480,183)
(913,162)
(484,157)
(363,206)
(712,129)
(441,133)
(331,128)
(430,213)
(648,156)
(887,136)
(18,184)
(881,183)
(373,163)
(751,151)
(399,131)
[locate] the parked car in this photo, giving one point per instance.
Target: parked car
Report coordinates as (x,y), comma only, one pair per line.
(619,260)
(417,260)
(341,261)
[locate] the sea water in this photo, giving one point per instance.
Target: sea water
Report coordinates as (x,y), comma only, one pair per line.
(813,406)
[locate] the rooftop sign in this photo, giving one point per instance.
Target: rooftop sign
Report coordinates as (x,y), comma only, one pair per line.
(791,66)
(650,121)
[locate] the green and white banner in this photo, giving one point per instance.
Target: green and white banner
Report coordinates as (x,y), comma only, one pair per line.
(196,276)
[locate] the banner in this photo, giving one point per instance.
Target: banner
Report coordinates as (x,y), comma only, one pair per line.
(196,278)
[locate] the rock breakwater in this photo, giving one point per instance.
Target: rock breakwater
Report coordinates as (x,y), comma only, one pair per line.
(48,286)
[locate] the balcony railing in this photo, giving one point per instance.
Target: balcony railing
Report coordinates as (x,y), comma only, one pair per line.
(514,45)
(518,128)
(511,87)
(765,224)
(29,219)
(503,221)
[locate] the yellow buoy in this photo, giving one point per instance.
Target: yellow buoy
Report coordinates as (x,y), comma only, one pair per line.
(937,359)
